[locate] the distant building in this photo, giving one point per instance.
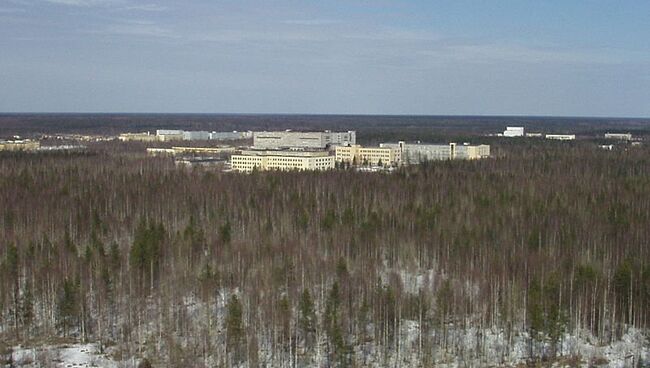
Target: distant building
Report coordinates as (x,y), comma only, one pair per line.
(19,145)
(160,151)
(144,137)
(620,136)
(225,136)
(469,152)
(250,160)
(413,153)
(368,155)
(223,149)
(534,135)
(166,135)
(189,150)
(514,132)
(195,135)
(290,139)
(561,137)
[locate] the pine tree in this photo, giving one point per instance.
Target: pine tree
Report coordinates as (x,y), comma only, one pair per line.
(307,322)
(235,329)
(68,306)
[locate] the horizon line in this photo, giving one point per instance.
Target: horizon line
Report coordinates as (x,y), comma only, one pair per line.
(332,114)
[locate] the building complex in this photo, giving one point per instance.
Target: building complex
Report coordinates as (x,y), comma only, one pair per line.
(292,150)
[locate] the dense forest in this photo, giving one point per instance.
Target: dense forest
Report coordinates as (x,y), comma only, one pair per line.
(198,268)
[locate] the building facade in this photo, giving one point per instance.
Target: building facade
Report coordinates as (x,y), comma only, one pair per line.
(19,145)
(468,152)
(374,156)
(143,137)
(250,160)
(195,135)
(620,136)
(414,153)
(514,132)
(314,140)
(224,136)
(166,135)
(561,137)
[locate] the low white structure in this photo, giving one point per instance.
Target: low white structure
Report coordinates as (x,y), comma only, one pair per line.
(250,160)
(314,140)
(620,136)
(561,137)
(514,132)
(534,135)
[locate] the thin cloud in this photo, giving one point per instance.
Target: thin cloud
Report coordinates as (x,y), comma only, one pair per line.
(495,53)
(11,10)
(147,8)
(141,28)
(79,3)
(311,22)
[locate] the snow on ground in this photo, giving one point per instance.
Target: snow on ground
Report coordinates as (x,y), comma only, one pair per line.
(494,351)
(62,356)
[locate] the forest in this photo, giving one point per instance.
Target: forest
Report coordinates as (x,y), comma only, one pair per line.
(438,262)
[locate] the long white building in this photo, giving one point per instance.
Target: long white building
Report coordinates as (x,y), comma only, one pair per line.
(620,136)
(413,153)
(224,136)
(561,137)
(166,135)
(250,160)
(291,139)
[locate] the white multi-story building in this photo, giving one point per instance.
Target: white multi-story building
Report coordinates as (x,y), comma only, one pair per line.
(514,132)
(413,153)
(250,160)
(291,139)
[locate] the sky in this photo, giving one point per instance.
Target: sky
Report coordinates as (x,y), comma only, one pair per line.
(425,57)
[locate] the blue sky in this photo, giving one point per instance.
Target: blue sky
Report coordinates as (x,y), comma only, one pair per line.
(500,57)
